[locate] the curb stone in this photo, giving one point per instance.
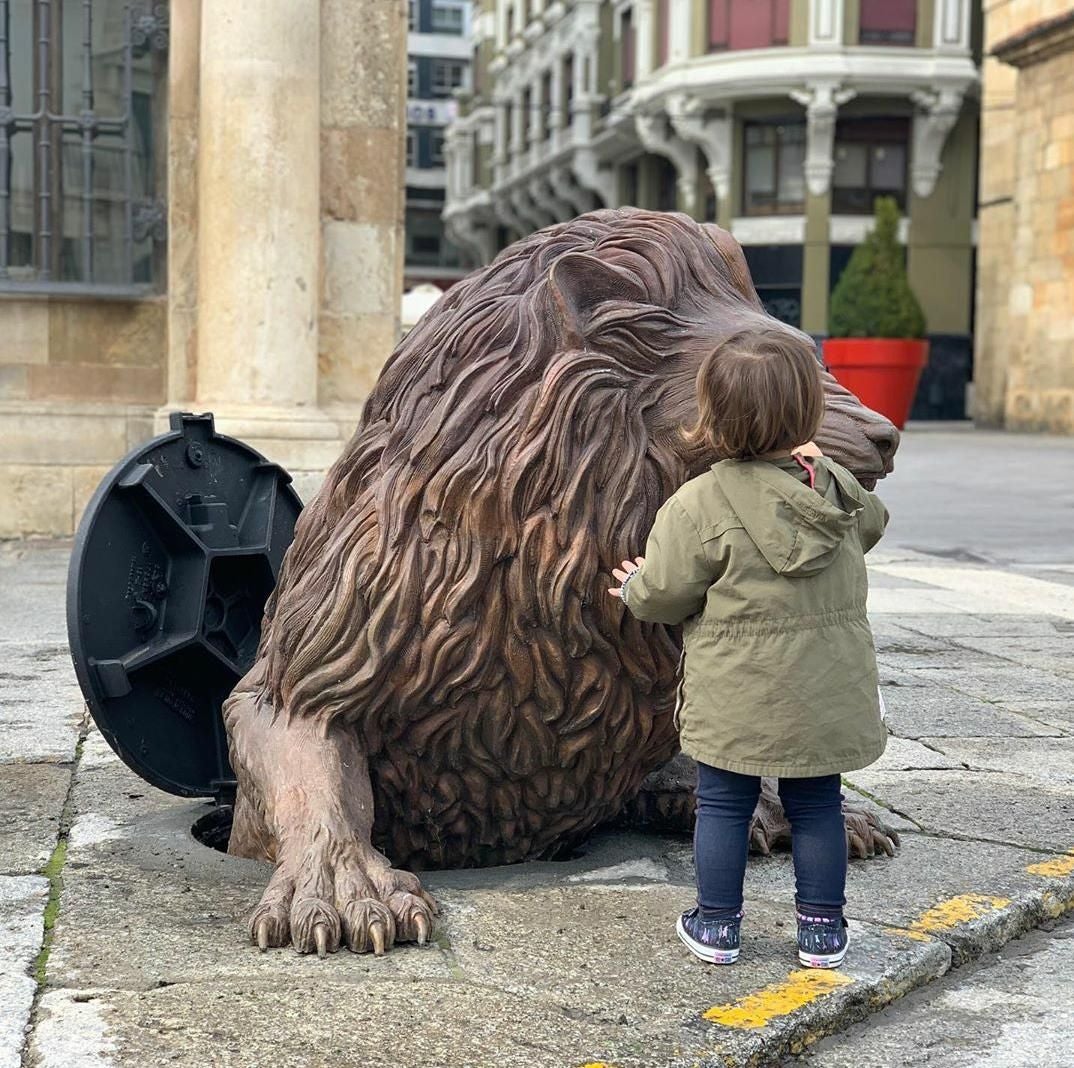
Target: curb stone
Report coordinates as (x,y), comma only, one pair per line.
(938,954)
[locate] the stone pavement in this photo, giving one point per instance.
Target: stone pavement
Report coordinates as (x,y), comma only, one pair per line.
(122,939)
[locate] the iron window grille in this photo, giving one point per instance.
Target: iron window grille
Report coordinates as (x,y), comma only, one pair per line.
(78,210)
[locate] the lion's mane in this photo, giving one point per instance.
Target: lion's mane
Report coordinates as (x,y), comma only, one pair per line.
(444,595)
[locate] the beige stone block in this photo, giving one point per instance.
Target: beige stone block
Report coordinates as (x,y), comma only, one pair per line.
(14,381)
(100,332)
(94,382)
(363,64)
(34,433)
(84,483)
(353,351)
(24,331)
(362,174)
(35,501)
(360,275)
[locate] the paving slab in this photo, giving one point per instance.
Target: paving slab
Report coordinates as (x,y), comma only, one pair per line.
(22,906)
(996,681)
(31,803)
(41,707)
(534,997)
(33,579)
(1049,764)
(1000,807)
(969,624)
(918,710)
(1012,1010)
(902,754)
(1055,714)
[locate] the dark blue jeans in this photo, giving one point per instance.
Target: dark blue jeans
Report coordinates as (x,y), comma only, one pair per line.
(725,804)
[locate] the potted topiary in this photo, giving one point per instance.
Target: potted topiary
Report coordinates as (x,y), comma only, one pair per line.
(876,346)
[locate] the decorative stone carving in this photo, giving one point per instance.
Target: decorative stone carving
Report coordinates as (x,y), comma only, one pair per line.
(595,176)
(568,190)
(937,113)
(545,198)
(658,137)
(711,133)
(821,101)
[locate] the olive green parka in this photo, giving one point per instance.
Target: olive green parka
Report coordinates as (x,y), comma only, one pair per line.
(767,576)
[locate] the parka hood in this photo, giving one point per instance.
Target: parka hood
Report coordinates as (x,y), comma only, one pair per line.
(797,529)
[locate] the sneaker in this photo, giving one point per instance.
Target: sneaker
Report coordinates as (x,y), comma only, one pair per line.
(822,941)
(714,941)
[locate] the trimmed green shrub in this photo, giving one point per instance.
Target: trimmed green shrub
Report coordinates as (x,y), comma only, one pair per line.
(873,297)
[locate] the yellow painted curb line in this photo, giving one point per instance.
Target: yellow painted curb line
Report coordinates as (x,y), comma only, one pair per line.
(950,914)
(779,999)
(1058,867)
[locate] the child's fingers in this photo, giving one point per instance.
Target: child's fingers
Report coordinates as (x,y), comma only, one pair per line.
(639,560)
(620,575)
(616,591)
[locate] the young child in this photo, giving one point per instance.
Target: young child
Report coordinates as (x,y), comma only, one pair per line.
(762,559)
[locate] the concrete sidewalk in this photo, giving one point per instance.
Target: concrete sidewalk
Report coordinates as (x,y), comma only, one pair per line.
(122,940)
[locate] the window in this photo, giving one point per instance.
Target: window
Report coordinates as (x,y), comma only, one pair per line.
(775,168)
(426,245)
(448,74)
(740,24)
(527,118)
(546,100)
(412,15)
(888,22)
(666,185)
(448,17)
(663,31)
(568,90)
(436,149)
(411,148)
(78,196)
(411,78)
(870,161)
(628,46)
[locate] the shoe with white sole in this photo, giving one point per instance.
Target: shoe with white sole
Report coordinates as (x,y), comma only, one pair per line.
(822,940)
(713,941)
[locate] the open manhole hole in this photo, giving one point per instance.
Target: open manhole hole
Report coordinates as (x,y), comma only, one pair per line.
(214,828)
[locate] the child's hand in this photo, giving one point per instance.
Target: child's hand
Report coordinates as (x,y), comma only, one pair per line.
(810,448)
(628,569)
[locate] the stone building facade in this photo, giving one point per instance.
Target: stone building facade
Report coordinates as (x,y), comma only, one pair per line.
(780,119)
(1025,337)
(217,225)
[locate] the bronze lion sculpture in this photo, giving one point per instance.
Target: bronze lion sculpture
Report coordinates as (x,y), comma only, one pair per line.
(441,679)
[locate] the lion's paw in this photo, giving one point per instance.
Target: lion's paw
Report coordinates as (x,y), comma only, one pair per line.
(320,904)
(867,835)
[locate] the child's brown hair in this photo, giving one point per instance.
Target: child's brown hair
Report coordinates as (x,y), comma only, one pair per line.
(758,392)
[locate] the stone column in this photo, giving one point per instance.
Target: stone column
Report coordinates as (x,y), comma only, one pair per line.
(259,190)
(259,228)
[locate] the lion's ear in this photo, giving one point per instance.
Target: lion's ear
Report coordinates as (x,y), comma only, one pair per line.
(580,284)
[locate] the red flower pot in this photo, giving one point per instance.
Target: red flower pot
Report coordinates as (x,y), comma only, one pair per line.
(882,372)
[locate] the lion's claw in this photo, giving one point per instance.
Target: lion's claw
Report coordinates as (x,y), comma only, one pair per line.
(421,928)
(320,936)
(868,835)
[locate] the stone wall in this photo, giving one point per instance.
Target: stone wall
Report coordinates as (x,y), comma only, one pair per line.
(1024,371)
(285,164)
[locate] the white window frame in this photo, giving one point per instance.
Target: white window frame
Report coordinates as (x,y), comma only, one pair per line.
(437,139)
(443,86)
(455,7)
